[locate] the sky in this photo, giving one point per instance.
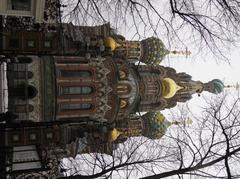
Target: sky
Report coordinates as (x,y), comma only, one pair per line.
(208,67)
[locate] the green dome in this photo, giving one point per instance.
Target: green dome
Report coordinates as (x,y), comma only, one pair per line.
(218,86)
(153,51)
(155,125)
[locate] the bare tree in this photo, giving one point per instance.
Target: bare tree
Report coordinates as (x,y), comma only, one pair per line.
(214,24)
(133,158)
(210,148)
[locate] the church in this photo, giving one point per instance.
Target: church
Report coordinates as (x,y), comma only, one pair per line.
(78,89)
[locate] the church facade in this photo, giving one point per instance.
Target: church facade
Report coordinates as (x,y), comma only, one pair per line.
(74,88)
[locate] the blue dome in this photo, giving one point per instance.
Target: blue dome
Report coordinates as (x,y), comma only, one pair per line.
(156,125)
(217,85)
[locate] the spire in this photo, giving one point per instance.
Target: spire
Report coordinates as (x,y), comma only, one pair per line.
(236,86)
(185,122)
(180,52)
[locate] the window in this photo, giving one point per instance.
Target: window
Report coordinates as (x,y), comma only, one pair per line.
(31,43)
(49,135)
(47,44)
(15,138)
(32,136)
(123,88)
(77,90)
(65,73)
(20,5)
(67,107)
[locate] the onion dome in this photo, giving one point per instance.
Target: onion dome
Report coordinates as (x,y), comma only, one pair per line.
(169,88)
(111,43)
(153,51)
(114,134)
(218,86)
(215,86)
(155,125)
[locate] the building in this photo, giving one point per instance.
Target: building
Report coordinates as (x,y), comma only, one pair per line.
(40,11)
(76,90)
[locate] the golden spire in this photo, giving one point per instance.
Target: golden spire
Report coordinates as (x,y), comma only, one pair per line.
(180,52)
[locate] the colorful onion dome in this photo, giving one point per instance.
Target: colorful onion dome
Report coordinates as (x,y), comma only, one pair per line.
(155,125)
(111,43)
(215,86)
(218,86)
(153,51)
(169,88)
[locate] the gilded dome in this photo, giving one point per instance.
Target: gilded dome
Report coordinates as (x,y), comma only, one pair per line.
(155,125)
(110,42)
(169,88)
(153,50)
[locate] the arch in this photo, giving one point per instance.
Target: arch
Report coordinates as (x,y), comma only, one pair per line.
(31,91)
(124,88)
(23,91)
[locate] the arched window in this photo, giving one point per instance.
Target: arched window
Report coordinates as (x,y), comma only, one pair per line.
(65,73)
(77,90)
(123,89)
(32,91)
(23,91)
(70,107)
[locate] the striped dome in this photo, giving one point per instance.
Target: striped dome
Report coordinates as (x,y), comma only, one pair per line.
(153,50)
(155,124)
(218,86)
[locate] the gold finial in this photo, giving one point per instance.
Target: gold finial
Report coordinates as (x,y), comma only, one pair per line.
(181,52)
(185,122)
